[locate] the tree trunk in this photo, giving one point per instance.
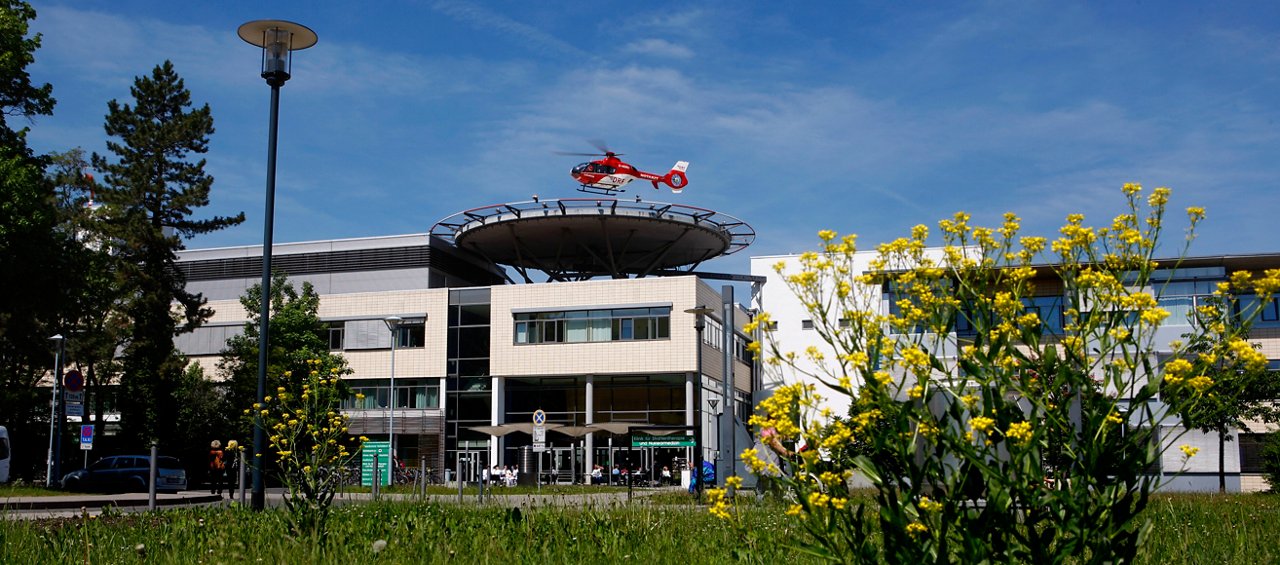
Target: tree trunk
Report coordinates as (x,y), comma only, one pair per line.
(1222,461)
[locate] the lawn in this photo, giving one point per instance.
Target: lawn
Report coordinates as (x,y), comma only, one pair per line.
(15,490)
(1187,529)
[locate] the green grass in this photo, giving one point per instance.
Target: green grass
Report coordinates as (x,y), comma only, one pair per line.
(8,491)
(1187,529)
(495,491)
(414,534)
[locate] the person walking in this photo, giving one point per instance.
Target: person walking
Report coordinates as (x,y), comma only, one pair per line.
(217,467)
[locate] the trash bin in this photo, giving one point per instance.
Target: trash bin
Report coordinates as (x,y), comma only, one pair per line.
(528,467)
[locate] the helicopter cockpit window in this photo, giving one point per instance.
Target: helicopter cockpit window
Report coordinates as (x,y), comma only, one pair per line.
(582,167)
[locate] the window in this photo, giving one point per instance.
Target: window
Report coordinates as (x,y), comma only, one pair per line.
(582,326)
(411,335)
(337,331)
(806,324)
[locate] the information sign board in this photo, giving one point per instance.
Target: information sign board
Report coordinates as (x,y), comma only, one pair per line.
(641,440)
(86,437)
(383,450)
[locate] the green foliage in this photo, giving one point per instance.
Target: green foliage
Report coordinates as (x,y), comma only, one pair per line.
(1007,442)
(1239,393)
(18,96)
(298,337)
(31,249)
(1271,460)
(149,193)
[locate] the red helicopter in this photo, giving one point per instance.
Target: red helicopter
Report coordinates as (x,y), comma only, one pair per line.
(608,175)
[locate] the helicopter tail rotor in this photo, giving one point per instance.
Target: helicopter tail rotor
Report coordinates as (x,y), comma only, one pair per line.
(675,179)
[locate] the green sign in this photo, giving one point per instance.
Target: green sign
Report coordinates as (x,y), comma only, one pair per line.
(383,450)
(640,440)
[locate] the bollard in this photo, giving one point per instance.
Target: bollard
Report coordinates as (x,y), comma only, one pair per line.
(240,484)
(377,478)
(151,487)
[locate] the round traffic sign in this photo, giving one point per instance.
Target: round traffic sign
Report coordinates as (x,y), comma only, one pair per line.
(73,381)
(539,417)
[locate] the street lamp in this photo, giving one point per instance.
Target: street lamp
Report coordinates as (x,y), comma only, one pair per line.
(278,39)
(55,423)
(699,324)
(393,324)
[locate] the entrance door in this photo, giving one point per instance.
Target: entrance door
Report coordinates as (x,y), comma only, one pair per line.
(471,465)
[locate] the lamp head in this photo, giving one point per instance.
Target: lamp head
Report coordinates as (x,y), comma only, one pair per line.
(393,322)
(278,39)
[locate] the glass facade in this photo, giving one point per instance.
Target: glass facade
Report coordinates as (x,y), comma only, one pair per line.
(467,355)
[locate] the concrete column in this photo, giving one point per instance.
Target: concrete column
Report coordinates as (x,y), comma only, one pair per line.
(725,441)
(689,382)
(590,447)
(497,415)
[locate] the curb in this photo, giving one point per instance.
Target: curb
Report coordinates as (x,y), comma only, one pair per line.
(66,503)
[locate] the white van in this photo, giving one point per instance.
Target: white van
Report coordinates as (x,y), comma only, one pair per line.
(4,455)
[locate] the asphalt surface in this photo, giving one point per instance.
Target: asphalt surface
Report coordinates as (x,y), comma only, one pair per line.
(76,504)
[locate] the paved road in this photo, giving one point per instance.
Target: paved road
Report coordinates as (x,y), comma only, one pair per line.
(35,507)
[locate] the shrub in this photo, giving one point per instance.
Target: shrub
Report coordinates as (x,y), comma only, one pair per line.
(1004,442)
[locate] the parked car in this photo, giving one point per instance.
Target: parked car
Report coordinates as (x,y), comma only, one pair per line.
(127,473)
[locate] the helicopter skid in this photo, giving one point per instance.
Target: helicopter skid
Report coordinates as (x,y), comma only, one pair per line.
(600,190)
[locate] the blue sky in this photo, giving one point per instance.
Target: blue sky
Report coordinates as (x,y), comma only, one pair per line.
(864,117)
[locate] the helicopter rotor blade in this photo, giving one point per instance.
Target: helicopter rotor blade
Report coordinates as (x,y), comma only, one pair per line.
(577,154)
(600,144)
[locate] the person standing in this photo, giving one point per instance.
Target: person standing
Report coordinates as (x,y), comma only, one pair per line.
(217,467)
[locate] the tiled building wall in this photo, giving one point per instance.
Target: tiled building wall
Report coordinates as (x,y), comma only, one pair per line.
(636,357)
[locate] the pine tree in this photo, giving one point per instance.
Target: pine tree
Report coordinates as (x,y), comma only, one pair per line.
(149,193)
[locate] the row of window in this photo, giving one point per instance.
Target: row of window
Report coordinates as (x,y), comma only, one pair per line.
(410,393)
(582,326)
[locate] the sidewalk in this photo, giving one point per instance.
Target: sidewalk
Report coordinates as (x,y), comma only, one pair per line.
(97,501)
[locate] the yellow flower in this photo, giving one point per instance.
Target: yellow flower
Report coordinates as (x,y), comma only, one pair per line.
(981,423)
(1019,432)
(916,529)
(794,510)
(1189,451)
(734,481)
(915,392)
(929,505)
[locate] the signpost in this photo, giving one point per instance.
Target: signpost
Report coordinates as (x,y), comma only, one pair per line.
(73,391)
(383,450)
(539,431)
(86,441)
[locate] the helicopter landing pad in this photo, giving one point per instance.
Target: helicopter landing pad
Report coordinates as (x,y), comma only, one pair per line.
(581,238)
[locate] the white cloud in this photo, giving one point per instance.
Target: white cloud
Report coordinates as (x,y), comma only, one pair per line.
(658,48)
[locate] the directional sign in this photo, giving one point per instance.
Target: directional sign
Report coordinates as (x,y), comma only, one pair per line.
(86,437)
(383,450)
(639,440)
(73,381)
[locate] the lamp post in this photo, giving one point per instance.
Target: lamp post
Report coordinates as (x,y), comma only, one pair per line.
(393,324)
(278,39)
(55,423)
(699,324)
